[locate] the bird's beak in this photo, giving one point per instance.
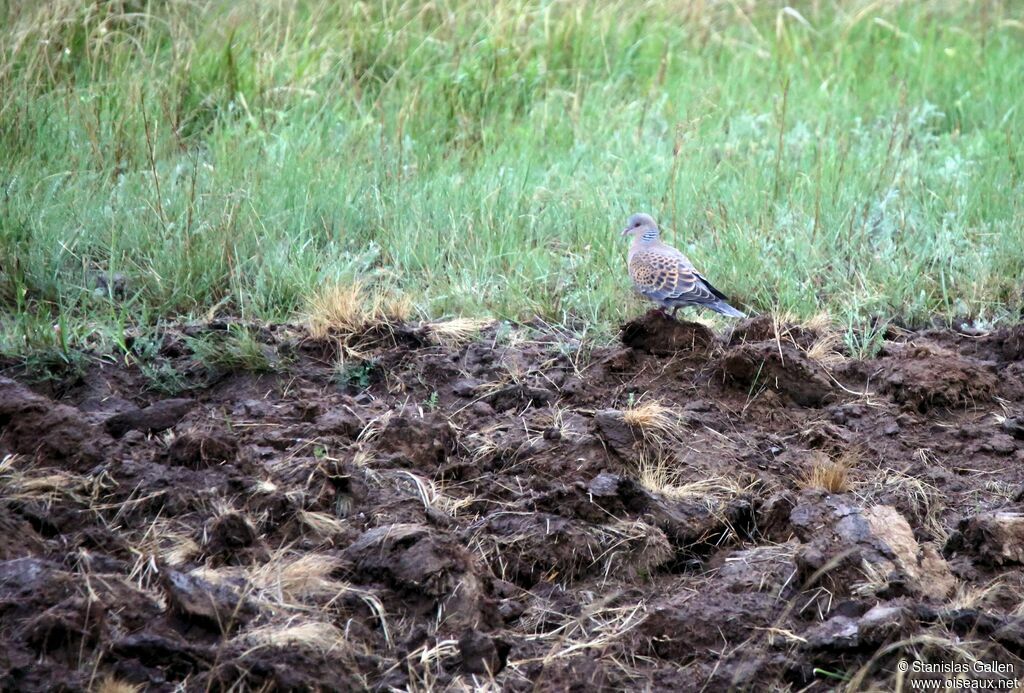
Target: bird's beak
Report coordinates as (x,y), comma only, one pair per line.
(625,231)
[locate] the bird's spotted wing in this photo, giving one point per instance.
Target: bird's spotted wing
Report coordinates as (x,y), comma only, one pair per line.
(711,288)
(667,279)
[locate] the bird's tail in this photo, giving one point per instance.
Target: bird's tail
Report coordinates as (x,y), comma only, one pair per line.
(725,309)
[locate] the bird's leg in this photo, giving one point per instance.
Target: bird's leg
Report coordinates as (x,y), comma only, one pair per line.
(673,316)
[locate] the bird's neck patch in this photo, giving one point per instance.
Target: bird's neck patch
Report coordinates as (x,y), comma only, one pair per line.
(649,235)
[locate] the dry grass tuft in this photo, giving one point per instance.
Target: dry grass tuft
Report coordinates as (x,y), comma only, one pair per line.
(292,585)
(344,310)
(819,322)
(295,581)
(825,350)
(968,596)
(394,307)
(317,636)
(337,309)
(45,485)
(658,475)
(323,525)
(655,420)
(457,331)
(829,475)
(178,549)
(110,684)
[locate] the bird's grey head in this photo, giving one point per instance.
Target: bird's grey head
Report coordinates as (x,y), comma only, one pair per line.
(641,226)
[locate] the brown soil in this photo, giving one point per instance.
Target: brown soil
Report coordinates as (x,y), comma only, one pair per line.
(435,516)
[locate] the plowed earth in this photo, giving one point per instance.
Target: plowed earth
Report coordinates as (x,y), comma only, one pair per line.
(683,510)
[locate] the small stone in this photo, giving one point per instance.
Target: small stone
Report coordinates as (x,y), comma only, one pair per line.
(552,434)
(214,605)
(882,623)
(465,387)
(837,633)
(482,409)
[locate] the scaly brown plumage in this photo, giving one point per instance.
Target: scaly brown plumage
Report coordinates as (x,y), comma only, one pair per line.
(666,276)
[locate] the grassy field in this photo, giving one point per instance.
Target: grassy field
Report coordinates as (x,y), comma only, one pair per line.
(231,159)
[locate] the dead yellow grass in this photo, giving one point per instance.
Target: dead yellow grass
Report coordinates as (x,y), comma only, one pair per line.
(969,596)
(179,550)
(291,585)
(660,476)
(113,685)
(826,348)
(820,322)
(311,635)
(457,331)
(23,482)
(322,525)
(654,419)
(345,309)
(829,475)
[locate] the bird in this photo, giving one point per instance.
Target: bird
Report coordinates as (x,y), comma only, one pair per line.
(664,275)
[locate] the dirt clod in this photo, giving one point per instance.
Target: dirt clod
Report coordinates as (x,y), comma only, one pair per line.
(925,376)
(868,550)
(31,424)
(195,450)
(156,417)
(482,654)
(659,334)
(779,366)
(994,537)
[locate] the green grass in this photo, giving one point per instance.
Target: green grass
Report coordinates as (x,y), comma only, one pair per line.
(230,158)
(236,349)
